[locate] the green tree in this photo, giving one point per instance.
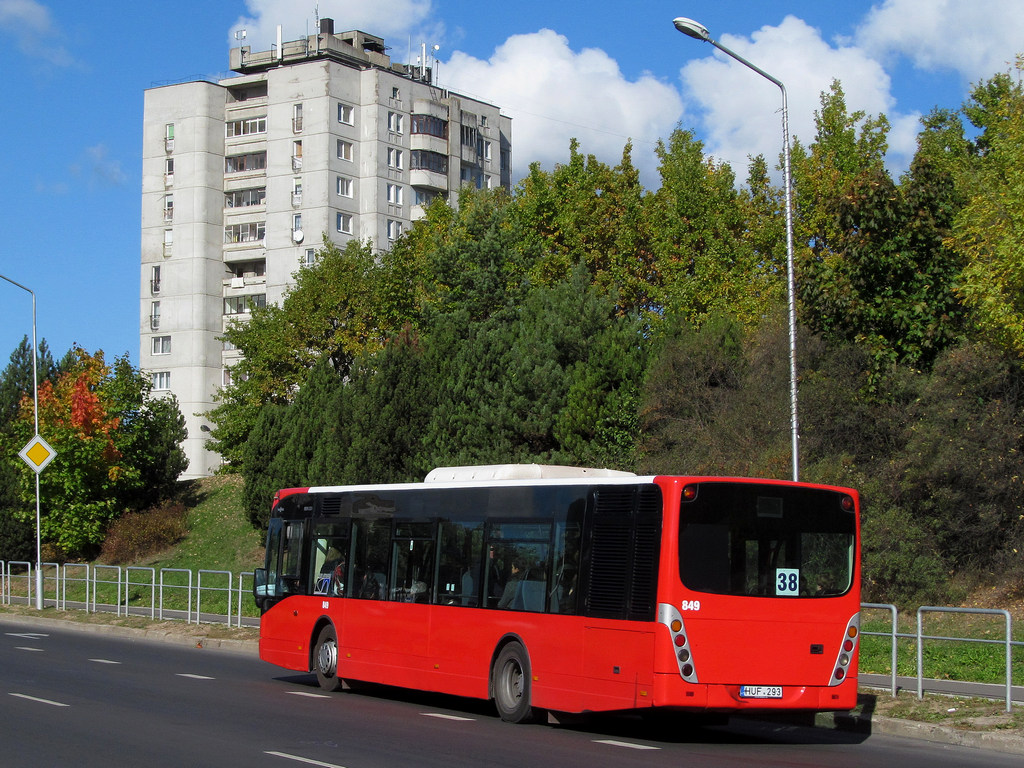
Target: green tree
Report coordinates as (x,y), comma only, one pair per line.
(704,264)
(989,230)
(391,400)
(330,312)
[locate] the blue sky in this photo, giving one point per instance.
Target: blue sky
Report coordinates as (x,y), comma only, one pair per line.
(74,75)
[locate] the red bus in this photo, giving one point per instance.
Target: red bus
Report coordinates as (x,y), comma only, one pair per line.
(570,590)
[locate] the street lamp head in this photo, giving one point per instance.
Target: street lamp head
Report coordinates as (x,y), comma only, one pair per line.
(692,28)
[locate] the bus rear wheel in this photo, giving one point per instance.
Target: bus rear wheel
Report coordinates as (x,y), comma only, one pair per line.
(510,682)
(325,659)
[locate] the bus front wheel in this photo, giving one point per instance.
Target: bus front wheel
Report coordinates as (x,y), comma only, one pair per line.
(510,682)
(325,659)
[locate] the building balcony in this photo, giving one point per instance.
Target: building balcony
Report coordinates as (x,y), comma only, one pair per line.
(429,179)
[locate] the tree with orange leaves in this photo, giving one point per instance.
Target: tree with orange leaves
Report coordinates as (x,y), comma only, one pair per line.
(103,424)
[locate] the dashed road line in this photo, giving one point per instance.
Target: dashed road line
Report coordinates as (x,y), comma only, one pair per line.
(305,760)
(104,661)
(309,695)
(447,717)
(626,744)
(194,677)
(40,701)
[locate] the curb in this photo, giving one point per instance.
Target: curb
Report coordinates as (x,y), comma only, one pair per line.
(247,647)
(994,741)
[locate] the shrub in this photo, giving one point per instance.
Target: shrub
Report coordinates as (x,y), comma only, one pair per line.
(136,535)
(17,538)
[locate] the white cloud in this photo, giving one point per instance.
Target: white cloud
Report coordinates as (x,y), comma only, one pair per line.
(743,110)
(554,93)
(30,22)
(384,18)
(976,39)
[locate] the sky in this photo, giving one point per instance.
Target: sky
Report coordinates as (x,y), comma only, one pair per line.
(74,75)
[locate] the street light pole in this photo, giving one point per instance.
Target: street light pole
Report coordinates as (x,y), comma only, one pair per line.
(35,411)
(698,31)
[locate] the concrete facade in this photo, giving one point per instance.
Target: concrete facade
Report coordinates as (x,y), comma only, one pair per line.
(242,177)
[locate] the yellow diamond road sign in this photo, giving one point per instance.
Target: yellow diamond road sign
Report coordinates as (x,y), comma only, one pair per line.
(37,453)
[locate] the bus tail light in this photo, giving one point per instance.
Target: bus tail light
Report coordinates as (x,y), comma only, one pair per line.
(673,621)
(845,656)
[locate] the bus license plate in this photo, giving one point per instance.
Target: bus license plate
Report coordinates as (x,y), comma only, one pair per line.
(761,691)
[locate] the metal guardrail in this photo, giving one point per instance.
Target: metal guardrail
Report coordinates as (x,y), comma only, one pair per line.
(117,589)
(919,639)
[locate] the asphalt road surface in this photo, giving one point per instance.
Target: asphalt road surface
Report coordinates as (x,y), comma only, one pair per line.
(73,698)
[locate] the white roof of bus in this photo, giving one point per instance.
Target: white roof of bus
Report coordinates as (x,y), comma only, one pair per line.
(491,472)
(504,474)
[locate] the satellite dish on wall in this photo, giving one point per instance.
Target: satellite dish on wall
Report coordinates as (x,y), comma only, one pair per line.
(297,235)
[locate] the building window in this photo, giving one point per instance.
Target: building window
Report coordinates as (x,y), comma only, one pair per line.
(296,222)
(154,316)
(487,151)
(243,198)
(345,223)
(168,171)
(425,160)
(424,196)
(169,137)
(430,125)
(395,194)
(394,122)
(344,186)
(251,269)
(297,191)
(296,155)
(394,158)
(249,232)
(345,149)
(297,118)
(243,305)
(309,257)
(161,345)
(254,161)
(154,280)
(246,127)
(168,241)
(161,380)
(394,229)
(346,114)
(168,207)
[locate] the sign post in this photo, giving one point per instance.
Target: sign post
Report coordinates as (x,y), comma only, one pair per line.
(37,453)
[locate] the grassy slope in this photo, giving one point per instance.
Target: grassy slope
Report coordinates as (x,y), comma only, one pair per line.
(220,536)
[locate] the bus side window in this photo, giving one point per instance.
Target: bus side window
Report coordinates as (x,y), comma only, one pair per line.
(371,546)
(459,577)
(565,568)
(412,563)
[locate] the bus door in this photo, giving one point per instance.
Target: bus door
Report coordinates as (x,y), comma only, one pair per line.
(282,574)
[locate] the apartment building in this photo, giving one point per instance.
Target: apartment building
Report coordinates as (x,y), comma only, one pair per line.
(242,177)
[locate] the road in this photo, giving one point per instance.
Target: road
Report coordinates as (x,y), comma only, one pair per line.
(70,697)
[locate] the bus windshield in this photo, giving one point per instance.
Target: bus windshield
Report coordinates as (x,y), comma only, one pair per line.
(756,540)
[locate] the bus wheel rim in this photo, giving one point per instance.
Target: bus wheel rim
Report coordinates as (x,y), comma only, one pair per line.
(327,658)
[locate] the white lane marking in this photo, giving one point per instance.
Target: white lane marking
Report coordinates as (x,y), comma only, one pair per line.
(447,717)
(626,744)
(308,694)
(195,677)
(305,760)
(41,701)
(105,661)
(26,648)
(27,635)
